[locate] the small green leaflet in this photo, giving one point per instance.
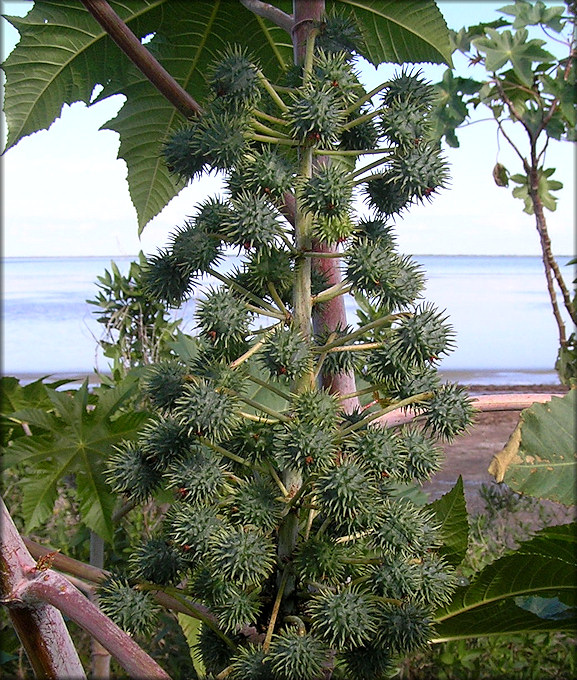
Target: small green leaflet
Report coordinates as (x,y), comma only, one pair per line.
(500,48)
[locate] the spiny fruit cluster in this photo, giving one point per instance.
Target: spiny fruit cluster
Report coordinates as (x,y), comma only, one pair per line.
(288,524)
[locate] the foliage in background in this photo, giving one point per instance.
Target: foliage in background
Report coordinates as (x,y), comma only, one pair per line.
(70,436)
(530,94)
(137,330)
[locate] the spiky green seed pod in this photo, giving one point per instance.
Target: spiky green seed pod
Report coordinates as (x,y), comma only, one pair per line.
(195,248)
(191,528)
(368,265)
(424,379)
(317,407)
(380,273)
(385,195)
(293,656)
(198,478)
(344,619)
(315,117)
(328,192)
(320,559)
(130,474)
(221,136)
(285,353)
(333,70)
(437,581)
(165,278)
(380,451)
(133,610)
(338,33)
(404,284)
(234,80)
(420,171)
(449,412)
(268,265)
(252,441)
(222,317)
(207,412)
(250,663)
(388,369)
(218,372)
(183,155)
(157,561)
(363,135)
(266,173)
(409,86)
(345,494)
(403,124)
(163,442)
(405,627)
(241,555)
(252,222)
(396,578)
(213,650)
(402,529)
(333,229)
(422,455)
(368,662)
(164,383)
(305,447)
(211,215)
(256,503)
(236,609)
(377,229)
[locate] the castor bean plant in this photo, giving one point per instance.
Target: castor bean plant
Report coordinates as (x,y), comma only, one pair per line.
(289,532)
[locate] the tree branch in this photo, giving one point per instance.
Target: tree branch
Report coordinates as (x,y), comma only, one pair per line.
(270,12)
(142,58)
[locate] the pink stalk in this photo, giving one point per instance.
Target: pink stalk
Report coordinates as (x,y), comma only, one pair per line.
(28,590)
(484,402)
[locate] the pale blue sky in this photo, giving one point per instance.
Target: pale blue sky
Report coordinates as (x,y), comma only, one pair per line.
(65,192)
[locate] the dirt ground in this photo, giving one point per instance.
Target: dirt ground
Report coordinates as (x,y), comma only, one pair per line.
(470,454)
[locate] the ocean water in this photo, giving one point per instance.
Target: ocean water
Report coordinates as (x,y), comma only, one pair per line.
(498,306)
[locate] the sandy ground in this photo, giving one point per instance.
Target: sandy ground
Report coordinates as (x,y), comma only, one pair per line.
(470,454)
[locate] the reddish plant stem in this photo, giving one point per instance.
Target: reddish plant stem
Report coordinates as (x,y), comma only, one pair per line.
(41,628)
(142,58)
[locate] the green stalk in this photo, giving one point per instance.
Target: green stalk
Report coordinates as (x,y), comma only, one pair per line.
(332,292)
(369,166)
(423,396)
(272,92)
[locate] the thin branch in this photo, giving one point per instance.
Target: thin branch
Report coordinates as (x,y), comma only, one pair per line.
(270,12)
(142,58)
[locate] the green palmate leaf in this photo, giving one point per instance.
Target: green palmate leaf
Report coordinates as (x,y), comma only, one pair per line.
(398,32)
(496,603)
(451,107)
(531,14)
(77,441)
(500,48)
(545,187)
(451,513)
(540,459)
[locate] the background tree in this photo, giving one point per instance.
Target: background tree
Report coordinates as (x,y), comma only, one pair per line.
(531,95)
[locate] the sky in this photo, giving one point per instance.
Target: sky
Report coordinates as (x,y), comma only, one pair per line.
(65,192)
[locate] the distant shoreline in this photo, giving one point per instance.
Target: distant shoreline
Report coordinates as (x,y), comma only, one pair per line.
(479,379)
